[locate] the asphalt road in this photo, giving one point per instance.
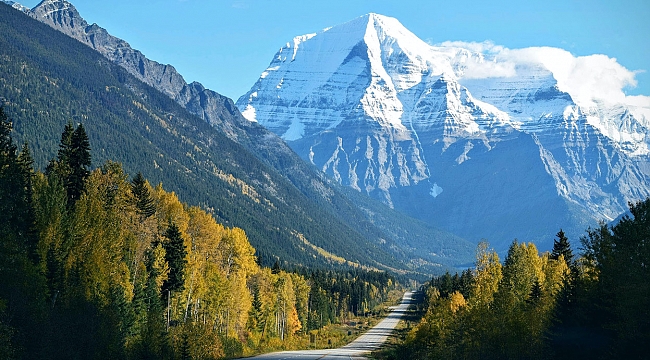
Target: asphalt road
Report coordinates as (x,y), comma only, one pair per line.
(364,344)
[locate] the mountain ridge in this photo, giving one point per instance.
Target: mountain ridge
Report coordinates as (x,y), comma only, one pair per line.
(387,114)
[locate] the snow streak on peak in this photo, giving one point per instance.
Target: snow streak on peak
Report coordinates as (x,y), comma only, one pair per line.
(16,5)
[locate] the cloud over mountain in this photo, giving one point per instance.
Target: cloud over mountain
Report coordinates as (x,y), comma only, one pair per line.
(587,78)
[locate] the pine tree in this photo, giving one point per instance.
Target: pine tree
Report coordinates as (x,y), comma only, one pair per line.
(535,293)
(185,353)
(16,211)
(175,255)
(26,167)
(276,267)
(79,162)
(561,246)
(73,160)
(9,174)
(256,318)
(65,146)
(144,202)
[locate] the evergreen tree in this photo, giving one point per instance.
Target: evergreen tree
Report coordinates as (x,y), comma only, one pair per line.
(22,286)
(535,293)
(256,315)
(16,211)
(26,163)
(276,267)
(65,146)
(26,166)
(73,160)
(185,353)
(79,162)
(561,246)
(9,176)
(144,202)
(620,255)
(175,255)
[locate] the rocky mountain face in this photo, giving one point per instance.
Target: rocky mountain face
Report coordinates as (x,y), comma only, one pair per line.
(496,157)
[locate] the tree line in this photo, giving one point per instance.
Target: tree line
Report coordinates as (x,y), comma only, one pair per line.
(549,305)
(95,264)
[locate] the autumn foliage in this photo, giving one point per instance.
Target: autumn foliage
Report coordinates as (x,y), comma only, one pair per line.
(549,305)
(95,265)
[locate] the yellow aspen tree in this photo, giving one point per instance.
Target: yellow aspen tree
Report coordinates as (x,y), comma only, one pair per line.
(555,272)
(169,208)
(301,290)
(97,251)
(456,301)
(488,274)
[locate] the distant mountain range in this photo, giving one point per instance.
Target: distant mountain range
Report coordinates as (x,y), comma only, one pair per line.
(499,153)
(244,174)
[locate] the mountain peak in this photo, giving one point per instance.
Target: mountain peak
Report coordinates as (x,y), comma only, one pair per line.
(56,5)
(60,13)
(385,27)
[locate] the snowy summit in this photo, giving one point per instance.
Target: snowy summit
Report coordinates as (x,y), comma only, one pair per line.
(411,123)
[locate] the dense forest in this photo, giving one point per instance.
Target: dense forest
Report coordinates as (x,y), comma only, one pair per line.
(96,266)
(554,305)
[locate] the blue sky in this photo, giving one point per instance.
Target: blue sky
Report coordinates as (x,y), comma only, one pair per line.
(225,45)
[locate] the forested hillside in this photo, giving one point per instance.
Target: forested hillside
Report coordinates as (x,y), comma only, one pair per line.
(100,266)
(593,305)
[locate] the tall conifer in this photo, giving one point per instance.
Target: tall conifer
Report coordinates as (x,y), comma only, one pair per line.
(561,246)
(175,255)
(79,163)
(73,161)
(143,200)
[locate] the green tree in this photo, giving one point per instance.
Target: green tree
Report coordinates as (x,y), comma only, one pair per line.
(562,247)
(22,293)
(79,163)
(619,258)
(535,293)
(144,202)
(16,208)
(175,255)
(73,161)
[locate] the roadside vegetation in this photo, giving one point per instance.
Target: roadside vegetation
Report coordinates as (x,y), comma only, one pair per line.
(540,306)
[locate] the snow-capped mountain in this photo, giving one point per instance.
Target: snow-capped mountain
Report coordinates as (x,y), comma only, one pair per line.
(484,143)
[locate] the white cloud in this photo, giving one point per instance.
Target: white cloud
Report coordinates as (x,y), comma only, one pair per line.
(482,69)
(638,100)
(585,78)
(485,47)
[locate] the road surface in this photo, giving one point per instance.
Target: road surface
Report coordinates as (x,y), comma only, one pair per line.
(364,344)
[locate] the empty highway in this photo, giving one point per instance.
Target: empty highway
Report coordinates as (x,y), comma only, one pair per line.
(357,349)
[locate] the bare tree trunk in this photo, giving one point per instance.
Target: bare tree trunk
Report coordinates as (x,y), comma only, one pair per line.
(189,296)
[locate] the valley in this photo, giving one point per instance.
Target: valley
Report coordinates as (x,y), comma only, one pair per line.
(142,216)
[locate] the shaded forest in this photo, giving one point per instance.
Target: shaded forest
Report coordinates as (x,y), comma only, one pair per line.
(98,265)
